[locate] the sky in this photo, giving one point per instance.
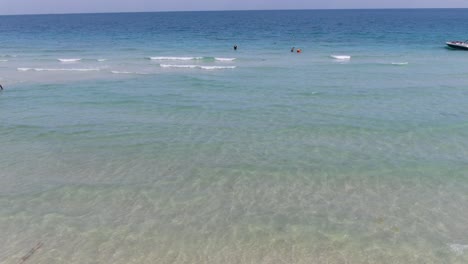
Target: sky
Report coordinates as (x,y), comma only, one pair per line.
(97,6)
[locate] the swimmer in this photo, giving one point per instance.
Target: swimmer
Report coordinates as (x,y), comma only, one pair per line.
(292,49)
(235,47)
(1,87)
(299,50)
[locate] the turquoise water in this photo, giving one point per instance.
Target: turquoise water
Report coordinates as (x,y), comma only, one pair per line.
(163,145)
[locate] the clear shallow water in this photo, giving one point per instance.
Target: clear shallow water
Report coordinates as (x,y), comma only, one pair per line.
(284,158)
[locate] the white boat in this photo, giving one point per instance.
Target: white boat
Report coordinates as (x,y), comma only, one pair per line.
(458,44)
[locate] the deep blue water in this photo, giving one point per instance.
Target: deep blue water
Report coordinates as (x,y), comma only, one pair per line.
(253,29)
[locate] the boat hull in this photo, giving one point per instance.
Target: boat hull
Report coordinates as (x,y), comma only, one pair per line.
(457,46)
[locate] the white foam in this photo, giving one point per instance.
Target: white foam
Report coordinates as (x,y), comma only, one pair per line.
(121,72)
(399,63)
(68,60)
(458,249)
(217,67)
(178,66)
(101,60)
(197,66)
(176,58)
(127,72)
(341,57)
(45,69)
(225,59)
(3,60)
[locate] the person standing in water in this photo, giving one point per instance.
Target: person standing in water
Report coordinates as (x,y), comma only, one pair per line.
(292,49)
(1,87)
(235,47)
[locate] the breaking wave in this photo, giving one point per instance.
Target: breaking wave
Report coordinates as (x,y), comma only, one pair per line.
(197,67)
(341,57)
(399,63)
(225,59)
(192,58)
(127,72)
(68,60)
(217,67)
(176,58)
(122,72)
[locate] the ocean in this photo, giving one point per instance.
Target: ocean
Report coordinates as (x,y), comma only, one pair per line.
(145,138)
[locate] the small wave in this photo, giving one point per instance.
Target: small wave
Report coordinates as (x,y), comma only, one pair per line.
(121,72)
(225,59)
(45,69)
(341,57)
(3,60)
(127,72)
(101,60)
(191,58)
(176,58)
(217,67)
(178,66)
(197,66)
(399,63)
(68,60)
(7,56)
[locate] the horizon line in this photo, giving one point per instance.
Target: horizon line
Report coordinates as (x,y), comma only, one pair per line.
(233,10)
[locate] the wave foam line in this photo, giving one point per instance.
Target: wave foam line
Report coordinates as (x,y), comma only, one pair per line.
(225,59)
(122,72)
(217,67)
(197,66)
(3,60)
(178,66)
(44,69)
(68,60)
(127,72)
(101,60)
(399,63)
(176,58)
(341,57)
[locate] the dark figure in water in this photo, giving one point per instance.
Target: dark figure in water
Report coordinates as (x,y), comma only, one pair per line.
(235,47)
(292,49)
(1,87)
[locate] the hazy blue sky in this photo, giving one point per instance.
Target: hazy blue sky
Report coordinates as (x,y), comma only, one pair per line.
(80,6)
